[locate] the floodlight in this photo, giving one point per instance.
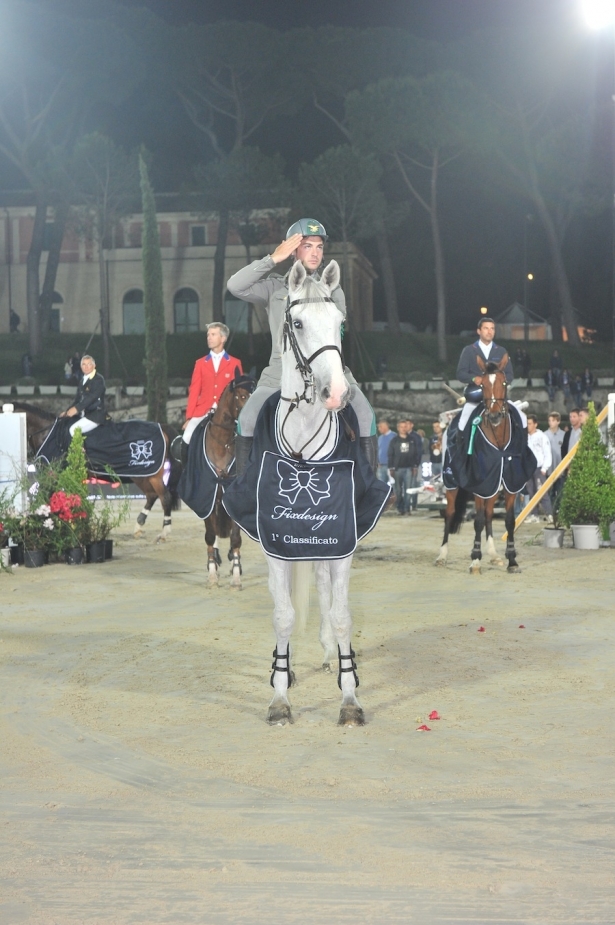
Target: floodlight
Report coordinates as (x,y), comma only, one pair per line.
(598,13)
(484,310)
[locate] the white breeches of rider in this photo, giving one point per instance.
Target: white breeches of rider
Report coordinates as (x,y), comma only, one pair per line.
(191,426)
(83,424)
(360,405)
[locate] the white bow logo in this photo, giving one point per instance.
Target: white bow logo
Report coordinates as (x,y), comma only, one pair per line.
(313,481)
(141,451)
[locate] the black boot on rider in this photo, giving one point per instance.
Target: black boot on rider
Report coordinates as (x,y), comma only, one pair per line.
(243,445)
(369,445)
(184,452)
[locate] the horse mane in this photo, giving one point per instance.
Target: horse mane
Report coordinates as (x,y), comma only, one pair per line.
(492,367)
(33,409)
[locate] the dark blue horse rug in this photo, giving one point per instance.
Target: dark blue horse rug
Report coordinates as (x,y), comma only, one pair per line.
(475,464)
(132,449)
(303,509)
(199,481)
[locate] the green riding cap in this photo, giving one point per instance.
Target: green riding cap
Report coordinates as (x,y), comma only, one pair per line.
(307,227)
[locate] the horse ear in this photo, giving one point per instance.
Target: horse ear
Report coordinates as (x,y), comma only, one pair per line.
(503,362)
(297,276)
(481,364)
(331,275)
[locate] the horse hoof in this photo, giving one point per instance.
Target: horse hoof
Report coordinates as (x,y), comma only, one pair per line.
(279,714)
(497,561)
(513,570)
(440,562)
(326,666)
(351,715)
(138,532)
(475,570)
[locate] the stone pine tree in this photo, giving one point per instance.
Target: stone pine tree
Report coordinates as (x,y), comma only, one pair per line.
(153,304)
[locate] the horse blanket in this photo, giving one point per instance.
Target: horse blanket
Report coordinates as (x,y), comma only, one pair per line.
(199,481)
(306,509)
(474,463)
(132,449)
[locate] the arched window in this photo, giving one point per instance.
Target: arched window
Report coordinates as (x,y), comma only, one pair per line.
(134,315)
(55,316)
(186,310)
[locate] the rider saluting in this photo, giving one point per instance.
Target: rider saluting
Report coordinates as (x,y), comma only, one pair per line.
(257,284)
(89,404)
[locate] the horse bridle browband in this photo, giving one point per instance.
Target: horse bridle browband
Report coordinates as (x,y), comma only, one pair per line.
(304,364)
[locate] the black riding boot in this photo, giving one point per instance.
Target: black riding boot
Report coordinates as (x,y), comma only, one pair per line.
(184,452)
(369,445)
(243,445)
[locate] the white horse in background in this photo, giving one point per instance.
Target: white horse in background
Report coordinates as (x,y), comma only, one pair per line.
(313,389)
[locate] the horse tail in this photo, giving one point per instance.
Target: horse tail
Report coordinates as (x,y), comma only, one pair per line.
(300,594)
(461,503)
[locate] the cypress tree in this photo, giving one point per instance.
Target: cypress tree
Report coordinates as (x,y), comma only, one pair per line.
(153,304)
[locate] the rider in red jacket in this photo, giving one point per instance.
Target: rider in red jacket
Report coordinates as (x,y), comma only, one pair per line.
(211,375)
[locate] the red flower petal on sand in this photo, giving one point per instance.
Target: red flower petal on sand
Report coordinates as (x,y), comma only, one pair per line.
(423,728)
(434,715)
(481,629)
(522,626)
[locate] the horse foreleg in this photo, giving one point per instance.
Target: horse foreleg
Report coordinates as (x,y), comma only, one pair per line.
(327,636)
(213,554)
(279,712)
(494,558)
(448,519)
(479,523)
(150,500)
(235,557)
(167,504)
(351,711)
(511,553)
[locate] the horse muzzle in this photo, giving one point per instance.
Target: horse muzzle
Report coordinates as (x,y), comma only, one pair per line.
(335,398)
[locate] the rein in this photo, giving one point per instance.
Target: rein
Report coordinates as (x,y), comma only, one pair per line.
(304,364)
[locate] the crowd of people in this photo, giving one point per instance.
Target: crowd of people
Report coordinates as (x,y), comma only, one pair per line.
(574,386)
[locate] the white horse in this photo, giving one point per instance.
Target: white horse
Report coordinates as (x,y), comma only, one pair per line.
(313,389)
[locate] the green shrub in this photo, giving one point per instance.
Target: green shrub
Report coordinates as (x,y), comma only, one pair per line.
(589,492)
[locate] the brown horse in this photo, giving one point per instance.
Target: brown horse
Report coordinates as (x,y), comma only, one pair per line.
(39,422)
(220,451)
(495,425)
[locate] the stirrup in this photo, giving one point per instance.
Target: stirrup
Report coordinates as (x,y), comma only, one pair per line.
(353,667)
(286,670)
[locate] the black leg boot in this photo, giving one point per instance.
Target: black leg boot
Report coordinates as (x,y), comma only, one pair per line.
(243,445)
(369,445)
(184,452)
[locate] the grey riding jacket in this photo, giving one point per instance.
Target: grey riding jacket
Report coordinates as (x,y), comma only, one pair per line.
(257,284)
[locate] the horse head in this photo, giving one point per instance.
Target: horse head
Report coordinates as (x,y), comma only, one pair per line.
(311,345)
(494,388)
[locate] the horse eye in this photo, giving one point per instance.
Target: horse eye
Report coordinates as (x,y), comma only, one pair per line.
(298,324)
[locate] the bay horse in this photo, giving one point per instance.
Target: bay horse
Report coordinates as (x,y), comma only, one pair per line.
(39,422)
(304,424)
(220,453)
(495,424)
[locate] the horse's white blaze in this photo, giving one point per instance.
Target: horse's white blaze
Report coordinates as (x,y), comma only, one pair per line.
(492,378)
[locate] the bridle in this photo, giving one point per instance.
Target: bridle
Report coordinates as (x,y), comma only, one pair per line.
(304,364)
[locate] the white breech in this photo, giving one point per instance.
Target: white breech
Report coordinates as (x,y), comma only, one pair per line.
(191,426)
(84,425)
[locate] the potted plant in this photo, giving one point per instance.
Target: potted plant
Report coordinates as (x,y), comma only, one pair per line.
(588,497)
(34,530)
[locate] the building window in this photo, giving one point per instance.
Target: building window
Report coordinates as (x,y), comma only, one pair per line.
(134,314)
(186,311)
(197,235)
(55,316)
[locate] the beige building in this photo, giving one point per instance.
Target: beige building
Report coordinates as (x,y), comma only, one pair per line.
(187,240)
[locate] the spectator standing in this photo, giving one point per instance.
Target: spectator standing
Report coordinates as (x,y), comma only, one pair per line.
(68,370)
(385,435)
(565,384)
(26,365)
(572,436)
(577,390)
(435,449)
(555,435)
(404,457)
(555,363)
(541,448)
(588,381)
(415,470)
(76,364)
(551,383)
(14,322)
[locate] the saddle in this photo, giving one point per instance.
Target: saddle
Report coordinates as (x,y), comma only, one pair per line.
(475,464)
